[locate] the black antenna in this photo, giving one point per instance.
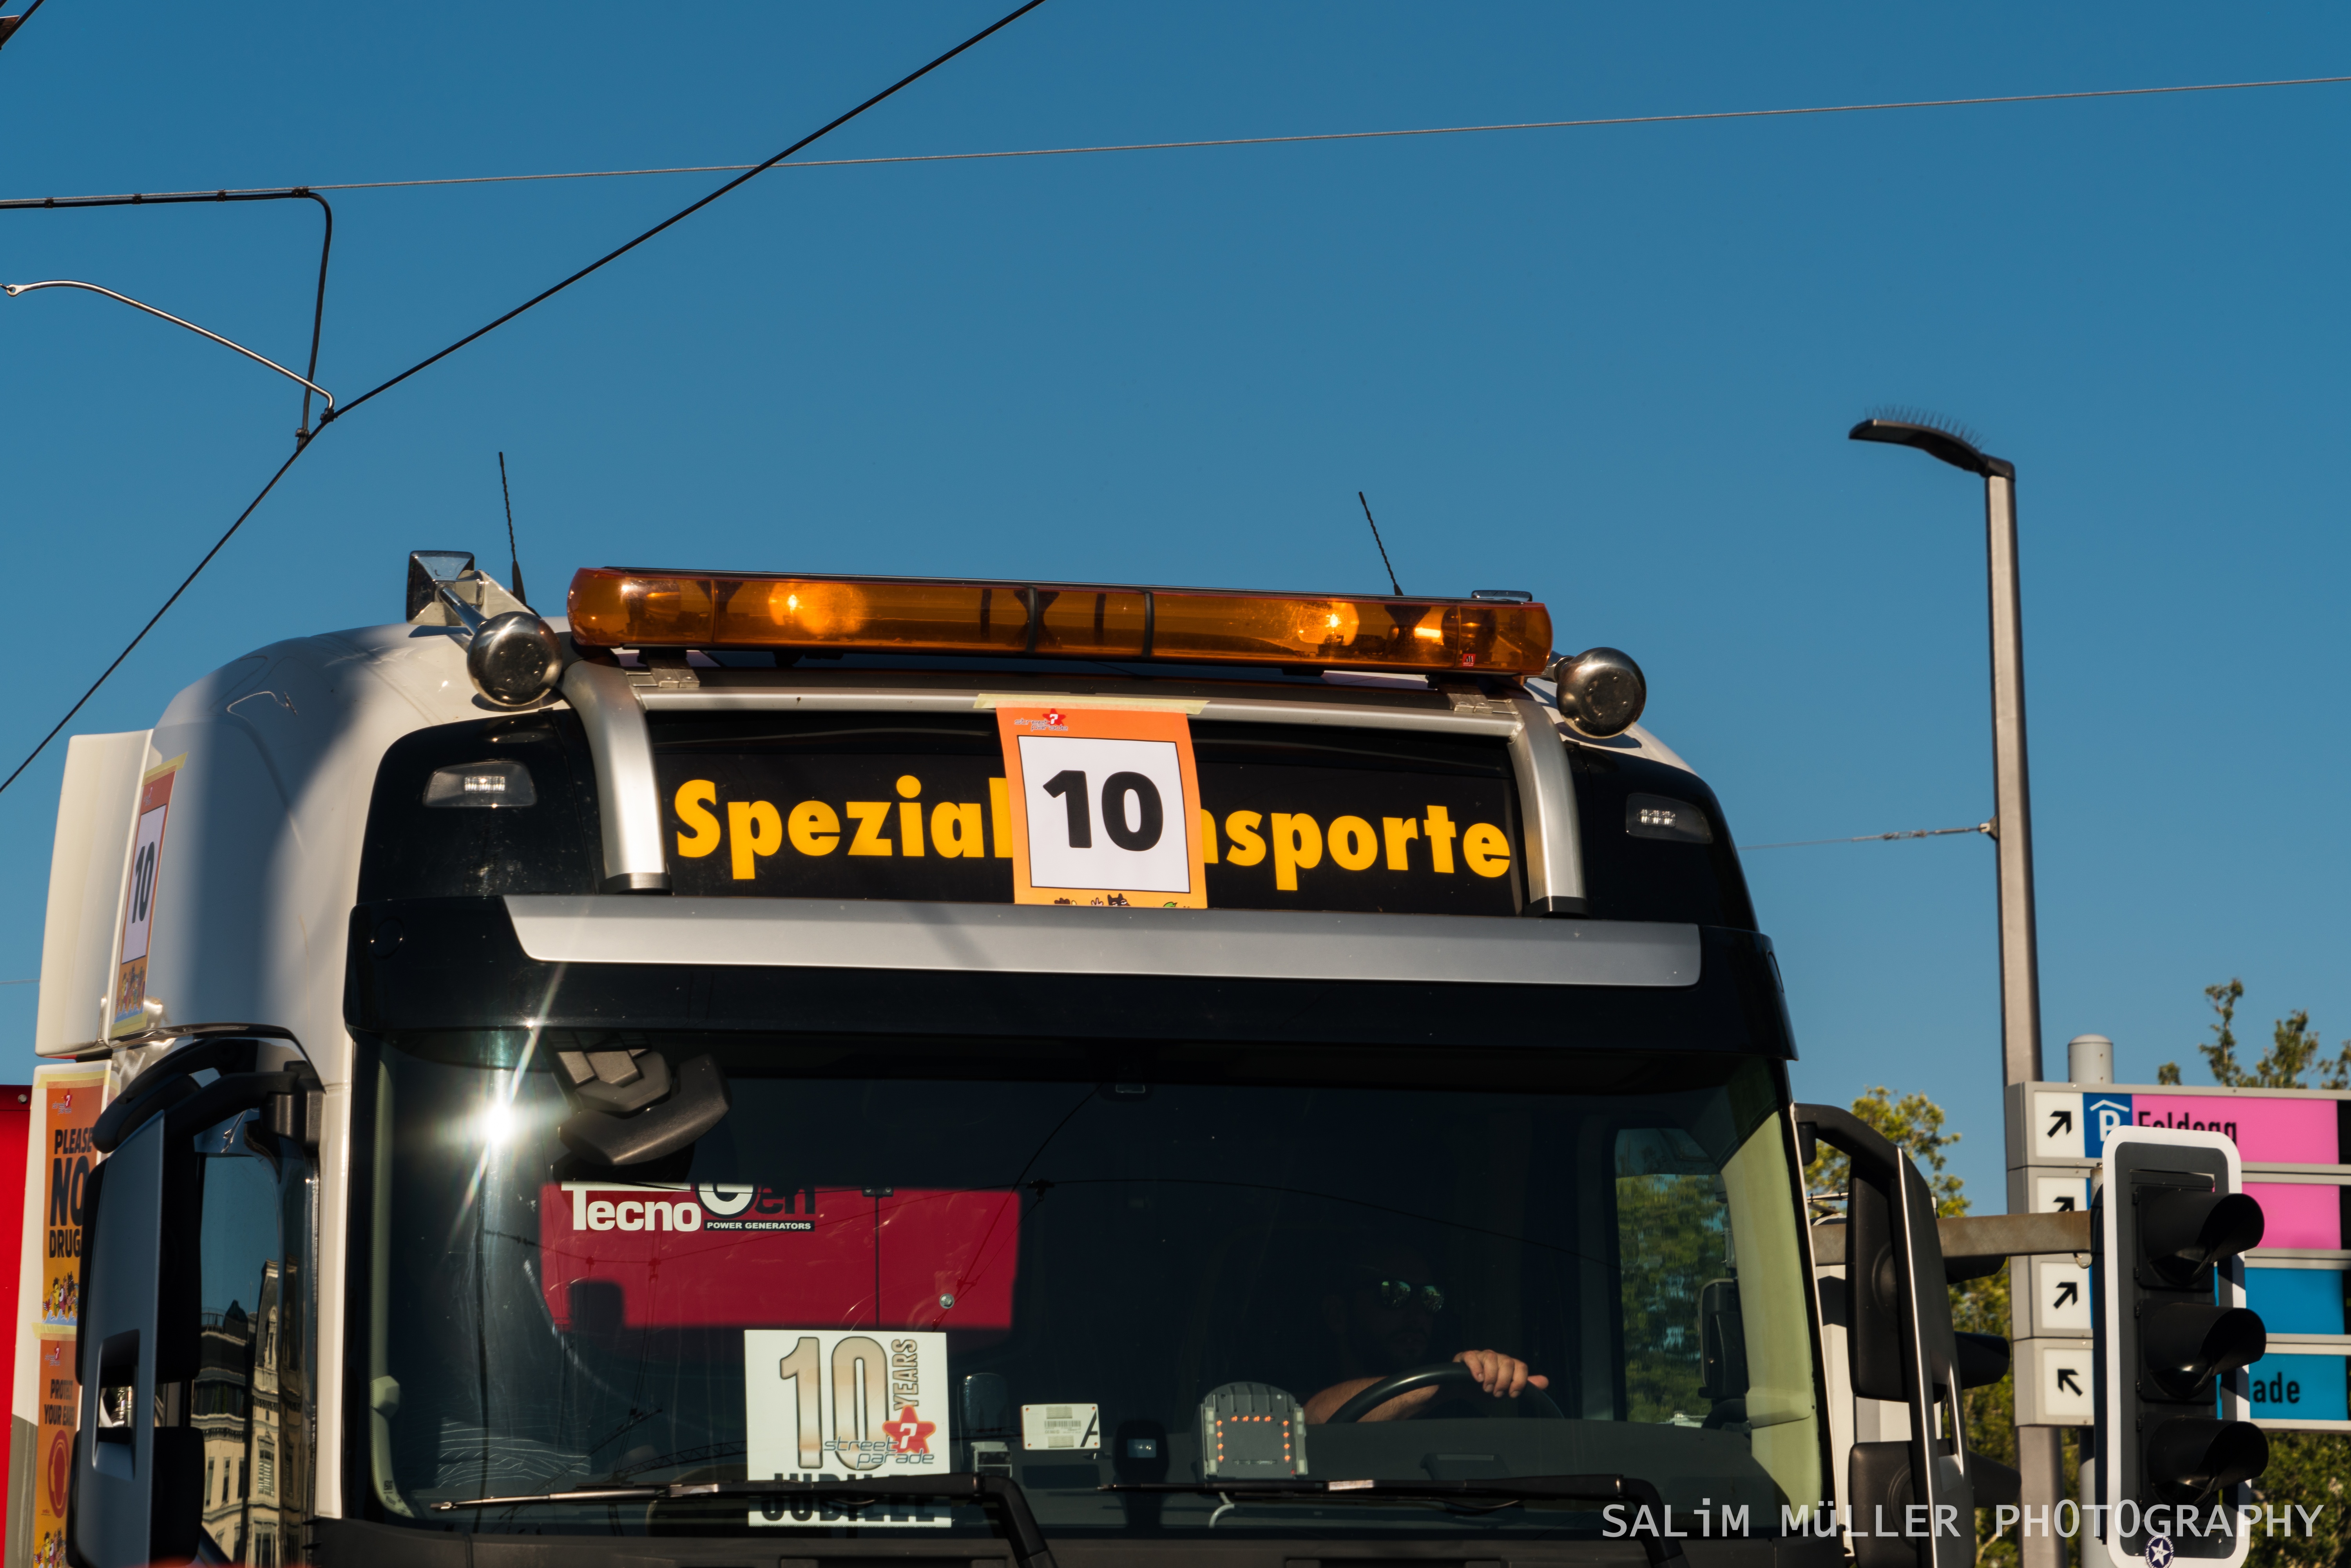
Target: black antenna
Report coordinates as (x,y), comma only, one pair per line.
(514,557)
(1383,549)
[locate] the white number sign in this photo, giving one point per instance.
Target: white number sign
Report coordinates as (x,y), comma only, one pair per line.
(1106,807)
(139,898)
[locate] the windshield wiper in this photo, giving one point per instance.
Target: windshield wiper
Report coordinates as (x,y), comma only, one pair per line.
(1021,1531)
(1662,1549)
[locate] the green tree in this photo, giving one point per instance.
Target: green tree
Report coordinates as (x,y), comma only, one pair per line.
(1913,1124)
(2308,1470)
(2292,1055)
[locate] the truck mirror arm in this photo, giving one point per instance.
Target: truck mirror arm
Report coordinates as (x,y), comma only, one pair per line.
(169,1081)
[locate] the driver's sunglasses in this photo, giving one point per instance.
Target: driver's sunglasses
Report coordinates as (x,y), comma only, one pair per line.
(1405,1293)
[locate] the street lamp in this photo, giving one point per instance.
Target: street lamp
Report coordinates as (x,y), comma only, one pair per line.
(14,290)
(2019,969)
(2040,1456)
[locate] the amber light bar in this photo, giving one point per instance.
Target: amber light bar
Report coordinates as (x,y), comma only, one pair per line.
(611,608)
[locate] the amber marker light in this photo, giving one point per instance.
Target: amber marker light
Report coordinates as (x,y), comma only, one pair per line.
(612,608)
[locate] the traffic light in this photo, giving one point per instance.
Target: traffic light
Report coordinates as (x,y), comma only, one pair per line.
(2170,1327)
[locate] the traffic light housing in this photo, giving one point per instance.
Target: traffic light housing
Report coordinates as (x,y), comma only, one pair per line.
(2172,1217)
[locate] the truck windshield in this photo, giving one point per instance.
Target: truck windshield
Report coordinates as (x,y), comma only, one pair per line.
(1027,1260)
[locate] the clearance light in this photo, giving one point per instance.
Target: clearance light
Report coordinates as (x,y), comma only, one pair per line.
(616,609)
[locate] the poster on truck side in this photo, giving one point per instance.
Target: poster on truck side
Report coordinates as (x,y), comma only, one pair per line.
(69,1099)
(59,1156)
(60,1397)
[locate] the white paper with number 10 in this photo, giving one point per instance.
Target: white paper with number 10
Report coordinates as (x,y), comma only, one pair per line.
(831,1404)
(1106,813)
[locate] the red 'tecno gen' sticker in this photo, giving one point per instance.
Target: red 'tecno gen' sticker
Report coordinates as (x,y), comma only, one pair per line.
(730,1255)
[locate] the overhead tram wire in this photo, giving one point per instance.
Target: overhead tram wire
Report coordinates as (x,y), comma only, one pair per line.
(300,447)
(302,442)
(1595,123)
(1984,828)
(9,26)
(753,172)
(178,198)
(750,171)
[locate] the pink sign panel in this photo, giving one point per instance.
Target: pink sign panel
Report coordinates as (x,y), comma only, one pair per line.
(2266,1131)
(2299,1214)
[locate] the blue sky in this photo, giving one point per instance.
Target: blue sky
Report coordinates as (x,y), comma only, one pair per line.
(1614,366)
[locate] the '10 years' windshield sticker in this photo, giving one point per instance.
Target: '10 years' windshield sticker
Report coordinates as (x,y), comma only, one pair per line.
(843,1404)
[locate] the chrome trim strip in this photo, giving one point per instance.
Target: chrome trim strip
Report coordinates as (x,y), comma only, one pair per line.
(1039,940)
(704,700)
(1546,808)
(628,795)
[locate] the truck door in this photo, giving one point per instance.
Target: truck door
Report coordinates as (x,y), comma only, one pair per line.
(195,1439)
(114,1451)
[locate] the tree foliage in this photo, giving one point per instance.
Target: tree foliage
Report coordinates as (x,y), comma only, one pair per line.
(1913,1124)
(2292,1056)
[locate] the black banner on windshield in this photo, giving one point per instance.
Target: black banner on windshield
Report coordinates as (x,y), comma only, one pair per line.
(1296,818)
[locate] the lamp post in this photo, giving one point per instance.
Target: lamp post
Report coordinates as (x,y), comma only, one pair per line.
(2039,1452)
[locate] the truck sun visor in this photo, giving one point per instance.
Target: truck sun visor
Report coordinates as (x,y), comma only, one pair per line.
(697,1102)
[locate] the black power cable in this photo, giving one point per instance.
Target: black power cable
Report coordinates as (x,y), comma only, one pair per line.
(303,440)
(298,450)
(8,24)
(686,211)
(178,198)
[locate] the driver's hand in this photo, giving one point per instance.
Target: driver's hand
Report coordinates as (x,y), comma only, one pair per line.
(1503,1377)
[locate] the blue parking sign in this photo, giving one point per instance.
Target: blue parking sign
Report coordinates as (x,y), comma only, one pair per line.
(2101,1115)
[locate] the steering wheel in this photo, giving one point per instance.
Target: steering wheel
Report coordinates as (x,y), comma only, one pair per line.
(1404,1382)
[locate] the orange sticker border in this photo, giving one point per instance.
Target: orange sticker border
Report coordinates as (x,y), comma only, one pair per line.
(1090,723)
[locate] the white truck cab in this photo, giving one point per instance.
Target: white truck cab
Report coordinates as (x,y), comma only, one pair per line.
(803,1070)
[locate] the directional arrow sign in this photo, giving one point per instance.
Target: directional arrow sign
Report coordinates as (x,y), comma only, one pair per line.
(2065,1383)
(2056,1126)
(2060,1297)
(2060,1194)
